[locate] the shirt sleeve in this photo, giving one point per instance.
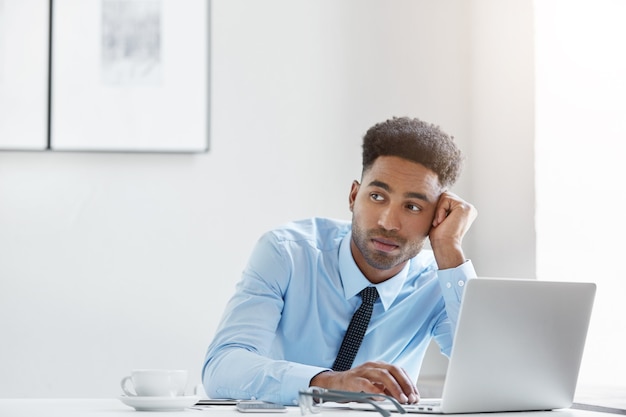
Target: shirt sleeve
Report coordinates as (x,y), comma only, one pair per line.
(239,362)
(452,282)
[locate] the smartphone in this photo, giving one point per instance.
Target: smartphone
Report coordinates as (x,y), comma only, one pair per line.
(253,406)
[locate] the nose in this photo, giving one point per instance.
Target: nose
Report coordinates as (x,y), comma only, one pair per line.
(389,219)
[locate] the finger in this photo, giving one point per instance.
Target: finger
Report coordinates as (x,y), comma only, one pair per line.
(374,378)
(395,382)
(443,209)
(406,384)
(414,395)
(378,378)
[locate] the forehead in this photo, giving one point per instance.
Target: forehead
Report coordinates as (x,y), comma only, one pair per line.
(402,176)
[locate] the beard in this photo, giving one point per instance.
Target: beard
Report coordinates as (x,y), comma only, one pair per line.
(384,260)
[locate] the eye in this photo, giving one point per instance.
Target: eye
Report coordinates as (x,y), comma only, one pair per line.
(376,197)
(414,208)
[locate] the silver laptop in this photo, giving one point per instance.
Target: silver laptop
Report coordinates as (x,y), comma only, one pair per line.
(518,347)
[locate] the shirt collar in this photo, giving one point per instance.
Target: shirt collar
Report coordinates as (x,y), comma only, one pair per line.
(354,281)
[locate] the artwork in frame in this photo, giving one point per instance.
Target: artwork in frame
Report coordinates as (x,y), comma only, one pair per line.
(24,34)
(130,75)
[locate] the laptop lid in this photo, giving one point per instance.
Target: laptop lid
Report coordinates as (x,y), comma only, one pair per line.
(518,345)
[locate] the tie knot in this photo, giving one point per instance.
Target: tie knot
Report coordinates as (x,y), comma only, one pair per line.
(369,295)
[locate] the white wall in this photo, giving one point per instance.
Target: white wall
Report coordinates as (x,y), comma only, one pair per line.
(499,176)
(580,167)
(116,261)
(501,160)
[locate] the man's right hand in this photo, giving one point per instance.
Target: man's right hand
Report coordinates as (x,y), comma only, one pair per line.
(371,377)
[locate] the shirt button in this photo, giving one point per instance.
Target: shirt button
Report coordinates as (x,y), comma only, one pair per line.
(461,283)
(448,285)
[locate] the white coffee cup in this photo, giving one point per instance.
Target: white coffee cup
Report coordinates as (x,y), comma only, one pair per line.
(155,383)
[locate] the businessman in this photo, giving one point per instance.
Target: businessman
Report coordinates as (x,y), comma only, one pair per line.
(284,328)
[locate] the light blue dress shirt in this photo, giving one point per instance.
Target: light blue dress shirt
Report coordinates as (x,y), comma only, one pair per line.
(292,307)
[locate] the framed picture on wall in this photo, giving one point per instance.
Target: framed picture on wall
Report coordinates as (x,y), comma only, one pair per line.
(130,75)
(24,30)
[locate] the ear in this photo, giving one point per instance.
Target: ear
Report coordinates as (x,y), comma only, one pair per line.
(353,192)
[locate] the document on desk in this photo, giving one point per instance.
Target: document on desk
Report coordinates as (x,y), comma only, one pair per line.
(207,403)
(243,406)
(216,401)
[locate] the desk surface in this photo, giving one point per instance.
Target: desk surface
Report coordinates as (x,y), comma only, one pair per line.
(114,407)
(613,397)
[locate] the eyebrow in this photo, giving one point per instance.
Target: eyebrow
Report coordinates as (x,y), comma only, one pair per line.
(411,194)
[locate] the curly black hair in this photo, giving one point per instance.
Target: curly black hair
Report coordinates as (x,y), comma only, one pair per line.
(417,141)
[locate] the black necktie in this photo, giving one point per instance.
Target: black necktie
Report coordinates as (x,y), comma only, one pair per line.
(356,330)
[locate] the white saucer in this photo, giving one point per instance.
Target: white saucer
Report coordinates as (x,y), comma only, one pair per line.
(159,403)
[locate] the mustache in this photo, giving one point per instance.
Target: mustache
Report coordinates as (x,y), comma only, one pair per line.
(385,234)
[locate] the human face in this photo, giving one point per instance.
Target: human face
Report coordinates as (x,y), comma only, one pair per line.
(392,213)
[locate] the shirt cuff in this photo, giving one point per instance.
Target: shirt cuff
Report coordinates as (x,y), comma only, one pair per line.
(453,280)
(297,378)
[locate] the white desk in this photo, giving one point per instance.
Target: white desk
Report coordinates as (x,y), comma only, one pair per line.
(115,408)
(605,396)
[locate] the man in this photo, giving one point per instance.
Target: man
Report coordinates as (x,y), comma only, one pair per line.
(282,329)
